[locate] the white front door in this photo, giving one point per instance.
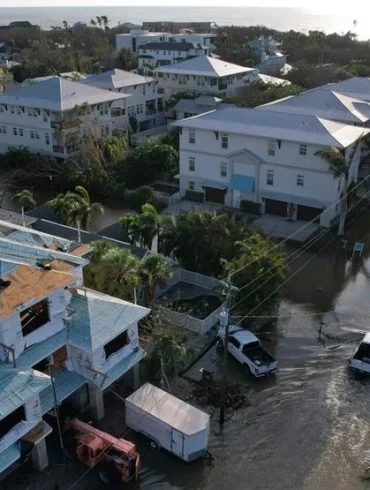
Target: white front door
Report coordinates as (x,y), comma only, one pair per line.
(177,446)
(236,199)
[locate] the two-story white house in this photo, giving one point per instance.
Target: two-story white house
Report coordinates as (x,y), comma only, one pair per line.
(145,103)
(268,158)
(48,116)
(153,55)
(58,341)
(204,75)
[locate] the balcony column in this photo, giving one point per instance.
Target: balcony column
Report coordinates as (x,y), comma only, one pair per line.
(96,399)
(40,456)
(135,376)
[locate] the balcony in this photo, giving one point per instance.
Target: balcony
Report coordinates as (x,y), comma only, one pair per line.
(58,149)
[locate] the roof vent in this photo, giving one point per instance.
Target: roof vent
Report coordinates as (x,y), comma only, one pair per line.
(44,265)
(4,284)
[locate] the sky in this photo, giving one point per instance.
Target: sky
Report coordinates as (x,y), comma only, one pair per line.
(312,4)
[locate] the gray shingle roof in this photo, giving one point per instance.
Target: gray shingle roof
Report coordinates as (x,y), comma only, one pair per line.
(98,318)
(116,79)
(58,94)
(270,124)
(204,66)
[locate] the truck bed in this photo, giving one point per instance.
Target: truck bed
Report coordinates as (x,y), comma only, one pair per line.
(258,355)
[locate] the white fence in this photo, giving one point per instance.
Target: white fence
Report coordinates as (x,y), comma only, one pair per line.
(152,133)
(183,320)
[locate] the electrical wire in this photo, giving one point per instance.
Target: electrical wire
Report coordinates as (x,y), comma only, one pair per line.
(300,229)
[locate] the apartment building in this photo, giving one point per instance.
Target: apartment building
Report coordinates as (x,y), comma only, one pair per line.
(59,342)
(176,26)
(49,116)
(204,75)
(137,38)
(268,158)
(153,55)
(145,103)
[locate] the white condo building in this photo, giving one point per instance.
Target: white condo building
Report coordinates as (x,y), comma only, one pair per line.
(145,102)
(204,75)
(47,116)
(54,333)
(266,157)
(154,55)
(139,37)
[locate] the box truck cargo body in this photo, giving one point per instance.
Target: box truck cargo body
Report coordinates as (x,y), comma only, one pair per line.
(171,423)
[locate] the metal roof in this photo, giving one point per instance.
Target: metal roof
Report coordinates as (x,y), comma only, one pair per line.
(116,79)
(204,66)
(17,385)
(276,125)
(58,94)
(65,382)
(98,318)
(200,105)
(10,456)
(358,87)
(171,410)
(323,103)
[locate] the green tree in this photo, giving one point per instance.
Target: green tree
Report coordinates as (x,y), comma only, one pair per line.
(117,273)
(74,207)
(258,93)
(262,269)
(25,199)
(154,271)
(126,59)
(141,228)
(340,167)
(99,249)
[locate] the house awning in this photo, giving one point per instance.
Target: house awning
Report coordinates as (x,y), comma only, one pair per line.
(214,184)
(244,183)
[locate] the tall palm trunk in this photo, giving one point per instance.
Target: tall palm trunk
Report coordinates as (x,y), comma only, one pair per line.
(343,209)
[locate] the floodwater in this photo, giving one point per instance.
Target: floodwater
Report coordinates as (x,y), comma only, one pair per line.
(305,428)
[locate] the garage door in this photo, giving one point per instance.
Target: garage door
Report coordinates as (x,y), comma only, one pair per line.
(307,213)
(276,207)
(214,195)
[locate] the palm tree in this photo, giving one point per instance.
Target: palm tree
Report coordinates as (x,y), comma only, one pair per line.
(148,225)
(25,199)
(129,223)
(105,22)
(74,207)
(99,21)
(340,167)
(92,23)
(117,273)
(154,271)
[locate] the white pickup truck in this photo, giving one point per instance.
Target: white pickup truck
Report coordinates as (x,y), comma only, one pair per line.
(361,359)
(247,349)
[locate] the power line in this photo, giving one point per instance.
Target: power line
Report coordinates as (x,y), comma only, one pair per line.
(301,228)
(290,259)
(290,277)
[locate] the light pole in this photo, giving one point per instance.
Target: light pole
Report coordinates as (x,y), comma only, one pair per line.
(225,323)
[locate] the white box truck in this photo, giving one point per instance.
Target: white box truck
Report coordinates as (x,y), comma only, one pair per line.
(361,359)
(171,423)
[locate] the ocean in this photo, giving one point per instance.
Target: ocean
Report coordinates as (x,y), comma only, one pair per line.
(277,18)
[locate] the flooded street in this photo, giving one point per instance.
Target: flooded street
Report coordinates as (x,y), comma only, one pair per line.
(307,428)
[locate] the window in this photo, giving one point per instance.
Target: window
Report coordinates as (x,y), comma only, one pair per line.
(19,110)
(191,185)
(192,136)
(225,141)
(234,342)
(35,317)
(270,177)
(47,138)
(32,134)
(15,131)
(21,132)
(101,110)
(12,109)
(4,129)
(303,149)
(106,109)
(141,108)
(223,169)
(11,420)
(191,164)
(138,109)
(37,135)
(2,108)
(271,148)
(300,180)
(30,112)
(116,344)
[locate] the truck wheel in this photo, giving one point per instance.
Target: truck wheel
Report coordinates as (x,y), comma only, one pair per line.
(247,369)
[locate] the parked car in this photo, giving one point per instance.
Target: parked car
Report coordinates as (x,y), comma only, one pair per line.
(247,349)
(361,359)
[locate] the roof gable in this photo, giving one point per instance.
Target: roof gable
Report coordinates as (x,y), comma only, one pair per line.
(206,66)
(116,79)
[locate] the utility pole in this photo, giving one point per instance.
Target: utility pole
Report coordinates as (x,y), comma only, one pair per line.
(225,323)
(56,410)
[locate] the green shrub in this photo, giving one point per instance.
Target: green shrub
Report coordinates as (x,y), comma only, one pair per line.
(194,196)
(141,196)
(250,207)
